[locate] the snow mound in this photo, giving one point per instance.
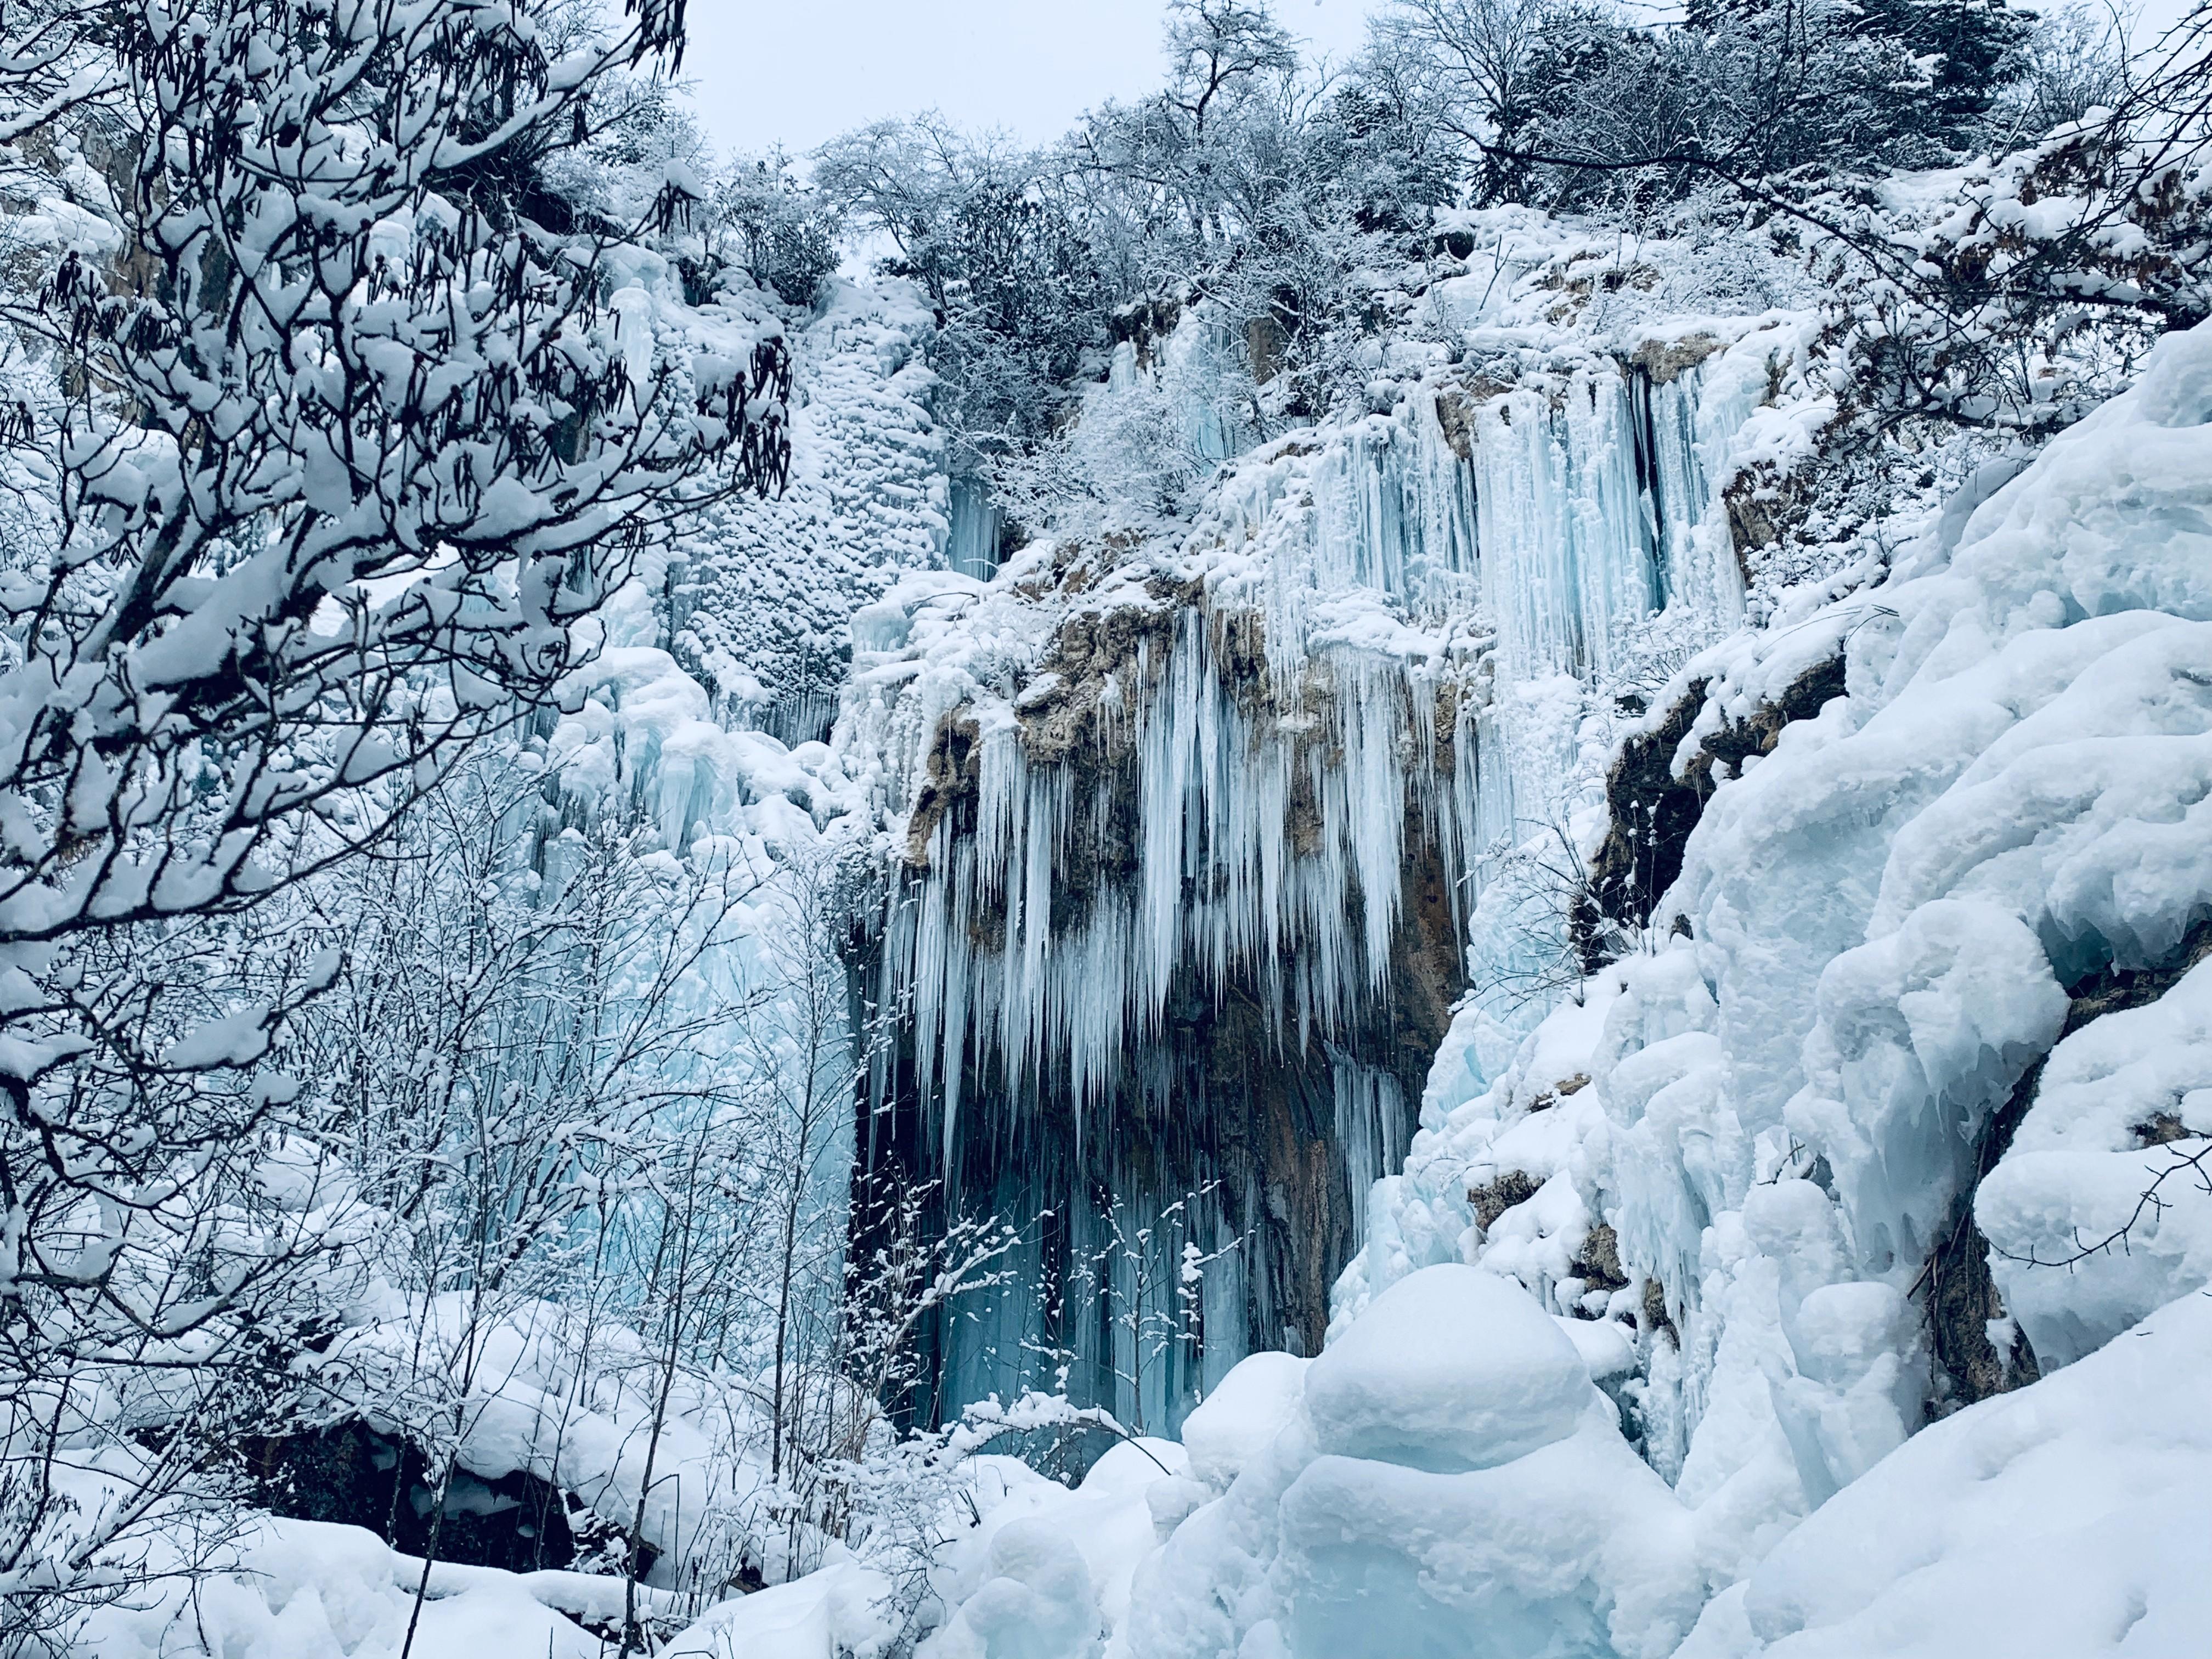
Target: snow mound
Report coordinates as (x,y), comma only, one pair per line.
(2051,1523)
(1451,1484)
(1246,1411)
(1045,1572)
(1450,1369)
(1035,1603)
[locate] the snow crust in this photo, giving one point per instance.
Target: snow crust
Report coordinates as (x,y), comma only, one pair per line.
(1777,1110)
(2053,1521)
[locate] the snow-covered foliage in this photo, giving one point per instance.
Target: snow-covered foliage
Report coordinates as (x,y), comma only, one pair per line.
(761,600)
(599,1026)
(322,458)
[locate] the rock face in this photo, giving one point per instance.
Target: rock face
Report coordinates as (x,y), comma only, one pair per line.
(1263,1082)
(350,1474)
(1183,820)
(1658,785)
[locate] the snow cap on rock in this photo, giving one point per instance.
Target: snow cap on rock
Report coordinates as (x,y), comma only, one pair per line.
(1451,1369)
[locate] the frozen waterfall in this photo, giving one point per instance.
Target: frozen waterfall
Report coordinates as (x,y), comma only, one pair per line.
(1164,809)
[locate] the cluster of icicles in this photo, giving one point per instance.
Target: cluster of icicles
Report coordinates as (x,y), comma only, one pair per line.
(1220,891)
(1567,522)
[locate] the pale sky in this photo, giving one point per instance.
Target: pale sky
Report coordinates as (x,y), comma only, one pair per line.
(799,72)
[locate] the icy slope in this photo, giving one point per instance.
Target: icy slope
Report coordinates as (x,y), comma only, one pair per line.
(2061,1522)
(1762,1145)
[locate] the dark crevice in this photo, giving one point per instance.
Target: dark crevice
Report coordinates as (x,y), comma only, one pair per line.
(1652,811)
(1962,1295)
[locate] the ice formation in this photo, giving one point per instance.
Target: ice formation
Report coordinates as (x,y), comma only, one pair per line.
(2054,1521)
(1864,1132)
(1705,1315)
(758,607)
(1137,785)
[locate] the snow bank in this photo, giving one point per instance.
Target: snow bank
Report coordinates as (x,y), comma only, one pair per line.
(1452,1483)
(1046,1572)
(300,1590)
(2064,1522)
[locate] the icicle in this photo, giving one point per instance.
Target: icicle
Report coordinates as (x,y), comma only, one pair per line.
(1274,800)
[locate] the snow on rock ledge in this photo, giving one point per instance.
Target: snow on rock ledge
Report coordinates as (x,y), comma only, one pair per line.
(2125,1107)
(1755,1145)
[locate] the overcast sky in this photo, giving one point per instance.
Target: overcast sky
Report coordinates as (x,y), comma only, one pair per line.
(798,72)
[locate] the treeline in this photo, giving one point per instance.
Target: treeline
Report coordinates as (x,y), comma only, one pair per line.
(1259,183)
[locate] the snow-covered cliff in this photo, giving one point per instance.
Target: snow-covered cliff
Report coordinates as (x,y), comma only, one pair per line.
(1192,817)
(1863,1135)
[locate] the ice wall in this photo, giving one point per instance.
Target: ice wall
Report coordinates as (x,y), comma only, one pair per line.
(1901,1102)
(757,607)
(1132,788)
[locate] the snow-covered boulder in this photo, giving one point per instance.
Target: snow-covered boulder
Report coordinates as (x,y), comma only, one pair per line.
(1045,1572)
(2100,1211)
(1451,1369)
(1245,1412)
(1452,1484)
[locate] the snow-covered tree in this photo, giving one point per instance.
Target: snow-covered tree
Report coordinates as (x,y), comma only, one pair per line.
(334,421)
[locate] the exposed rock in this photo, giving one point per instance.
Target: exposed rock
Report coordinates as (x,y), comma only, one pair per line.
(1493,1199)
(953,770)
(1598,1264)
(1964,1307)
(1763,504)
(1455,408)
(1550,1097)
(1231,1095)
(1143,324)
(1963,1303)
(2163,1129)
(351,1475)
(1656,1319)
(1663,361)
(1651,811)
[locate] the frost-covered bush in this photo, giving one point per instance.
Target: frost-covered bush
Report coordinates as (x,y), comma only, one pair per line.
(337,425)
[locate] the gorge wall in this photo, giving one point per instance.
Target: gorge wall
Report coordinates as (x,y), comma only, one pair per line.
(1189,820)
